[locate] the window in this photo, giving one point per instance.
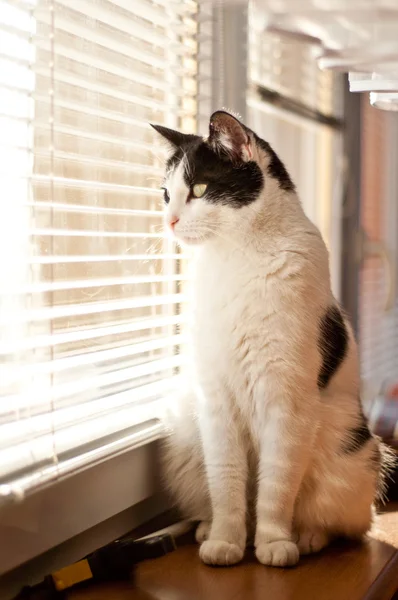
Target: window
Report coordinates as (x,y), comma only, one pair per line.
(297,108)
(91,289)
(92,292)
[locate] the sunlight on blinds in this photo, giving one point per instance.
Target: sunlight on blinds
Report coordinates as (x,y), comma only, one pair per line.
(91,290)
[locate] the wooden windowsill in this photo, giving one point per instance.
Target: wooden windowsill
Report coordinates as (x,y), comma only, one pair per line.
(345,571)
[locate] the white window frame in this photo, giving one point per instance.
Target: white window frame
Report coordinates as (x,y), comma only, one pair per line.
(71,506)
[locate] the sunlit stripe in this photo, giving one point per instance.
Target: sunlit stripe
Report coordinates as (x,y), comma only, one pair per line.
(84,159)
(94,210)
(19,431)
(17,372)
(89,308)
(70,78)
(90,111)
(92,258)
(74,24)
(116,69)
(91,384)
(94,233)
(95,185)
(118,138)
(84,334)
(76,284)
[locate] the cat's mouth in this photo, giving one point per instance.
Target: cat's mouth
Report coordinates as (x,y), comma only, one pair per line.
(191,238)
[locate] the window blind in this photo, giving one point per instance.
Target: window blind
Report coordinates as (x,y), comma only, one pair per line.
(311,149)
(91,290)
(289,67)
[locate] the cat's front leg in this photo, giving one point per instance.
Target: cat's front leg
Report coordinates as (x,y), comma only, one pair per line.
(286,427)
(226,469)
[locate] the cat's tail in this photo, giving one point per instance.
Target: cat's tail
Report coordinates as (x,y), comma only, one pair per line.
(387,462)
(181,457)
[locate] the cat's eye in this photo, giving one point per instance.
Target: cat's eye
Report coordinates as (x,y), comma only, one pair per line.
(166,195)
(199,189)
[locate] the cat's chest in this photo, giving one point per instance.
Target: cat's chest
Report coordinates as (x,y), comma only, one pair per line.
(221,287)
(232,299)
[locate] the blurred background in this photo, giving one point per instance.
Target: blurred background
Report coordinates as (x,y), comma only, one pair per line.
(92,294)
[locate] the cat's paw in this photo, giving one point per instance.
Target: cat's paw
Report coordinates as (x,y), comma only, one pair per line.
(282,553)
(214,552)
(202,531)
(311,541)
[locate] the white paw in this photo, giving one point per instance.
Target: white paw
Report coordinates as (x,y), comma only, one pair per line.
(311,541)
(278,554)
(214,552)
(202,531)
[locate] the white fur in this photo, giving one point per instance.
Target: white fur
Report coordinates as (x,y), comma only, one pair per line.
(256,452)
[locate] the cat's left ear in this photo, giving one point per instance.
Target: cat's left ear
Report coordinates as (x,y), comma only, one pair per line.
(228,136)
(176,139)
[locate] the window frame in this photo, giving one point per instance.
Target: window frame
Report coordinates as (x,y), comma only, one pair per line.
(52,516)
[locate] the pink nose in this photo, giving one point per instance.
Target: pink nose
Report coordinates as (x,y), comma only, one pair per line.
(173,221)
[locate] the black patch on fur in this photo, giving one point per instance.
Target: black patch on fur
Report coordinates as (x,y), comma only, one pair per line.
(358,436)
(227,183)
(276,168)
(333,342)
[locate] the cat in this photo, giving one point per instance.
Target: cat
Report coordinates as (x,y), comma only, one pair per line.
(272,447)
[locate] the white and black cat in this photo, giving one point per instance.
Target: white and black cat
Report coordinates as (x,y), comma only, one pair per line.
(273,445)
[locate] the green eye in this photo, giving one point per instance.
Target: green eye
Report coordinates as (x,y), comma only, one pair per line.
(199,189)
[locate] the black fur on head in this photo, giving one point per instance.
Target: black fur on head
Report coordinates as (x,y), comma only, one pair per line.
(224,161)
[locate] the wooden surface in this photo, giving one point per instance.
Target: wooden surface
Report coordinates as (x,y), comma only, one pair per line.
(367,571)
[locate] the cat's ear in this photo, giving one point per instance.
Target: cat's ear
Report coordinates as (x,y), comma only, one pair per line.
(176,139)
(228,136)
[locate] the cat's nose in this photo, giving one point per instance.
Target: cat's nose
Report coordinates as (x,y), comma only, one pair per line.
(173,221)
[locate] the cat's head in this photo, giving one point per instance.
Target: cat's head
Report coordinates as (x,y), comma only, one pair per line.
(213,184)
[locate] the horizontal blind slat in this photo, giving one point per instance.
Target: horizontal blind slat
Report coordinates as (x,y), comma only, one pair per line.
(56,312)
(89,184)
(78,284)
(64,417)
(93,210)
(89,233)
(93,357)
(114,22)
(98,137)
(67,337)
(43,260)
(73,388)
(72,79)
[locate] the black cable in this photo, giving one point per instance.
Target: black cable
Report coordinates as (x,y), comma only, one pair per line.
(113,562)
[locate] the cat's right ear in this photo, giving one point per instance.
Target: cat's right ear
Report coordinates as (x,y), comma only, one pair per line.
(176,139)
(228,136)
